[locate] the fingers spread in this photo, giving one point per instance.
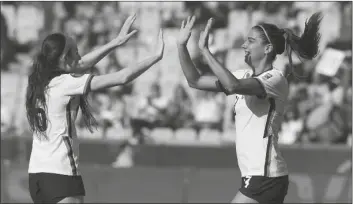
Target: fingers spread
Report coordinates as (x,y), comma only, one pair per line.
(132,33)
(131,17)
(208,26)
(132,20)
(192,21)
(183,24)
(128,22)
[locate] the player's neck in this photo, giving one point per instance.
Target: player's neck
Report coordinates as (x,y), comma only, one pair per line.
(262,67)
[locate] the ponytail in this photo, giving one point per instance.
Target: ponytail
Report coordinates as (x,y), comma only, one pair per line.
(307,45)
(35,96)
(88,118)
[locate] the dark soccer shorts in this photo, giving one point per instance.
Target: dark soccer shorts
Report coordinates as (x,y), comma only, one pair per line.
(265,189)
(52,188)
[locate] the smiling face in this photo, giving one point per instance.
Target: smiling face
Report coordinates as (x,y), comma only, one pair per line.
(255,49)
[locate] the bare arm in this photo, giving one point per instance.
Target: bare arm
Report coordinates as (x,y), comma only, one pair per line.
(93,57)
(194,78)
(229,83)
(123,76)
(128,74)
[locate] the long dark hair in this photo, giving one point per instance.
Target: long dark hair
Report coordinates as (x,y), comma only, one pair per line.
(45,67)
(306,46)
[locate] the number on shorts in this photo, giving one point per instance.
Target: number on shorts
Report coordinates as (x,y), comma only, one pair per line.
(247,181)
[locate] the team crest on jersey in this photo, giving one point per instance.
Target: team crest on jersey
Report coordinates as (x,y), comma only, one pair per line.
(267,76)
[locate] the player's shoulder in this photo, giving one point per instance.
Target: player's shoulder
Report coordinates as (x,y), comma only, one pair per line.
(273,74)
(57,79)
(67,76)
(62,79)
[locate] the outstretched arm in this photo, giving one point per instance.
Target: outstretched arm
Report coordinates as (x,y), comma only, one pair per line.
(93,57)
(128,74)
(227,81)
(194,78)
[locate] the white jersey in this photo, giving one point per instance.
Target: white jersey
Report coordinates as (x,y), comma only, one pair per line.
(257,123)
(60,151)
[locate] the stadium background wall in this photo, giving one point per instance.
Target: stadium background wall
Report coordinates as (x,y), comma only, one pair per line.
(184,174)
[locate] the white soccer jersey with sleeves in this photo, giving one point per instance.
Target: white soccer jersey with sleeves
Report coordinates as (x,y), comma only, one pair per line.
(60,151)
(257,123)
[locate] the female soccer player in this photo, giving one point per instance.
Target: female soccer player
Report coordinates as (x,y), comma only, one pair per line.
(55,92)
(260,101)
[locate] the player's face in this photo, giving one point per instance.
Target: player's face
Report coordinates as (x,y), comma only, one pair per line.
(254,48)
(72,56)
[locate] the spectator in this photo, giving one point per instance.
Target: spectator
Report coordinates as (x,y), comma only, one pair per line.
(209,111)
(179,112)
(327,122)
(114,114)
(150,112)
(291,127)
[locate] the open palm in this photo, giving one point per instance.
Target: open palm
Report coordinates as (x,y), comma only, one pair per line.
(203,41)
(185,30)
(124,34)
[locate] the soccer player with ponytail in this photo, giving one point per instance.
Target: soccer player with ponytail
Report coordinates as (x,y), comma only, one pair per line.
(261,96)
(57,89)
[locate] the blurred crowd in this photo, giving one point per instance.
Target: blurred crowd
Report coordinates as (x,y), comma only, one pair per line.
(320,108)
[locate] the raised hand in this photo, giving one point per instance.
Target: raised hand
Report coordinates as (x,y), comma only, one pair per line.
(160,44)
(185,30)
(203,41)
(124,34)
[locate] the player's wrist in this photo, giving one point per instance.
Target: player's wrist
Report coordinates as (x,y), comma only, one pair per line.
(114,44)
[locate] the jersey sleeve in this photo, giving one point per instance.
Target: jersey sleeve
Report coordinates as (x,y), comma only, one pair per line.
(76,85)
(274,84)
